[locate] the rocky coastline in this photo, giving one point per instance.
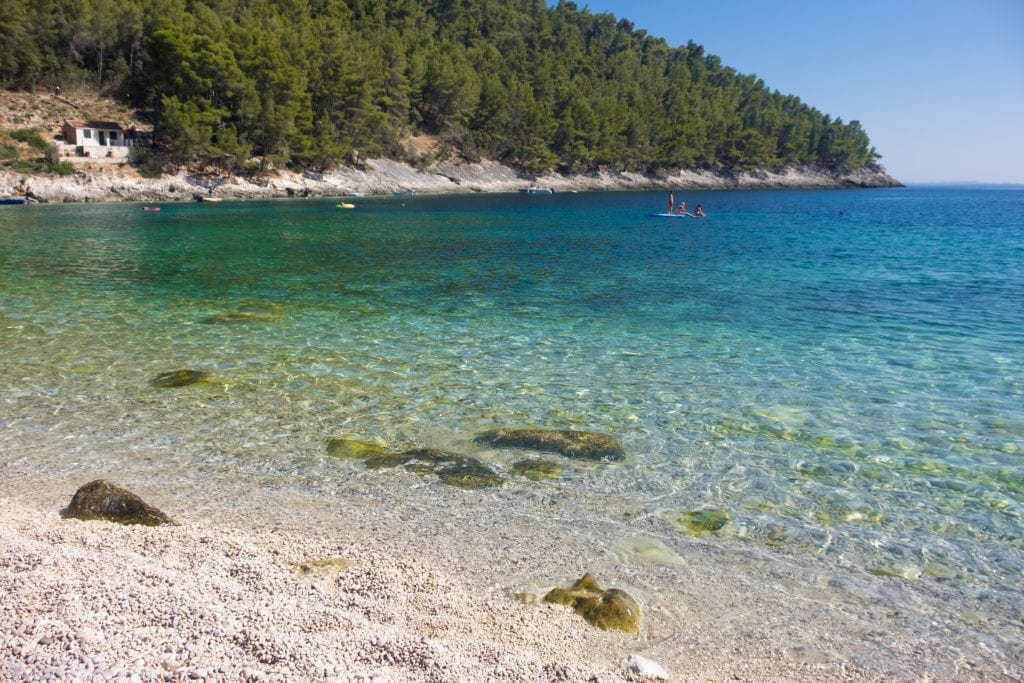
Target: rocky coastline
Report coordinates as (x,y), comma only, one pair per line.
(104,181)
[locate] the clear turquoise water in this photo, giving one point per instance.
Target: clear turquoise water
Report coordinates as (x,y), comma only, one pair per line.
(848,384)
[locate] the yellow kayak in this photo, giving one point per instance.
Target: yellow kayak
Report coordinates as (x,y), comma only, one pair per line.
(345,205)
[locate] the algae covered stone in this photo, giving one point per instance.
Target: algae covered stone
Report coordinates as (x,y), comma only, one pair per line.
(567,442)
(178,378)
(701,522)
(610,610)
(101,499)
(536,469)
(469,474)
(451,468)
(354,449)
(245,313)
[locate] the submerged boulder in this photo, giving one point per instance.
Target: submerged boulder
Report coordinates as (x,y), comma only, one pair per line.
(355,449)
(245,313)
(453,469)
(701,522)
(568,442)
(536,469)
(101,499)
(610,610)
(178,378)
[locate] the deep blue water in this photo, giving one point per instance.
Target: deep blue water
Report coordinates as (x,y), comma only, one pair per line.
(840,369)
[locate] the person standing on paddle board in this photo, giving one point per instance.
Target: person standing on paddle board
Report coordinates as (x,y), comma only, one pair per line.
(671,201)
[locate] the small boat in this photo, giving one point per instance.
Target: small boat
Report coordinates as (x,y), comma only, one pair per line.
(13,200)
(151,208)
(211,198)
(536,190)
(346,205)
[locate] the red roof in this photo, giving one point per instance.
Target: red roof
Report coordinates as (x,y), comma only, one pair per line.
(78,123)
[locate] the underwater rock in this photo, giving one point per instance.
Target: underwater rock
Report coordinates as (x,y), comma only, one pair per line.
(701,522)
(178,378)
(609,610)
(101,499)
(231,318)
(469,474)
(355,449)
(246,313)
(452,468)
(536,469)
(568,442)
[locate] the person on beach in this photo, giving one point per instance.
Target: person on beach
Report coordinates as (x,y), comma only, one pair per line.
(698,211)
(671,201)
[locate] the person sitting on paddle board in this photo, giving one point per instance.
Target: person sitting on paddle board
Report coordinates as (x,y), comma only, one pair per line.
(698,211)
(682,208)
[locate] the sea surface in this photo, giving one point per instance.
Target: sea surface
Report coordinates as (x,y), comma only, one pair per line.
(841,373)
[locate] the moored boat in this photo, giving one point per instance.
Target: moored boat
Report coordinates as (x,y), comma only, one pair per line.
(13,200)
(533,189)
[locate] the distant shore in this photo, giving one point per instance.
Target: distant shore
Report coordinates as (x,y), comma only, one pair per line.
(100,182)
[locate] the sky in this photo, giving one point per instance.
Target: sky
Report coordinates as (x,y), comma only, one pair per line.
(937,84)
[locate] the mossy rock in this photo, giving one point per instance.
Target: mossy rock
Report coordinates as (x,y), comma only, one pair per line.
(355,449)
(469,474)
(453,469)
(701,522)
(609,610)
(567,442)
(536,469)
(386,460)
(178,378)
(245,313)
(232,318)
(101,499)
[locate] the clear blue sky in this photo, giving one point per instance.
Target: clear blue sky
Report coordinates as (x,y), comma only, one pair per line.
(937,84)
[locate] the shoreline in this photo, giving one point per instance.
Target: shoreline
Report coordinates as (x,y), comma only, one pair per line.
(98,181)
(417,598)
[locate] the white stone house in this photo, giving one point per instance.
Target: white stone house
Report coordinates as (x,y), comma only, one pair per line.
(95,138)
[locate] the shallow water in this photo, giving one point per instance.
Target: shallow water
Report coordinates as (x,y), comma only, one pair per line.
(841,371)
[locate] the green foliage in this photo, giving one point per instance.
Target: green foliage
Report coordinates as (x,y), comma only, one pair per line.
(31,137)
(313,82)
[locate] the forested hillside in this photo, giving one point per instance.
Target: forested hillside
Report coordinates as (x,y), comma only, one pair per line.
(315,82)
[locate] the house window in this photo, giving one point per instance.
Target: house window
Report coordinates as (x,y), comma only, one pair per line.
(87,134)
(113,136)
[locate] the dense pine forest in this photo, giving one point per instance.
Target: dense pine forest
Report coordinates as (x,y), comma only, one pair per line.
(314,83)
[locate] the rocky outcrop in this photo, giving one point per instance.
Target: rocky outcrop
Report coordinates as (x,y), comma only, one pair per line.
(384,176)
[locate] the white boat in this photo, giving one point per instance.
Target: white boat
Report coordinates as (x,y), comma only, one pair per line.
(536,190)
